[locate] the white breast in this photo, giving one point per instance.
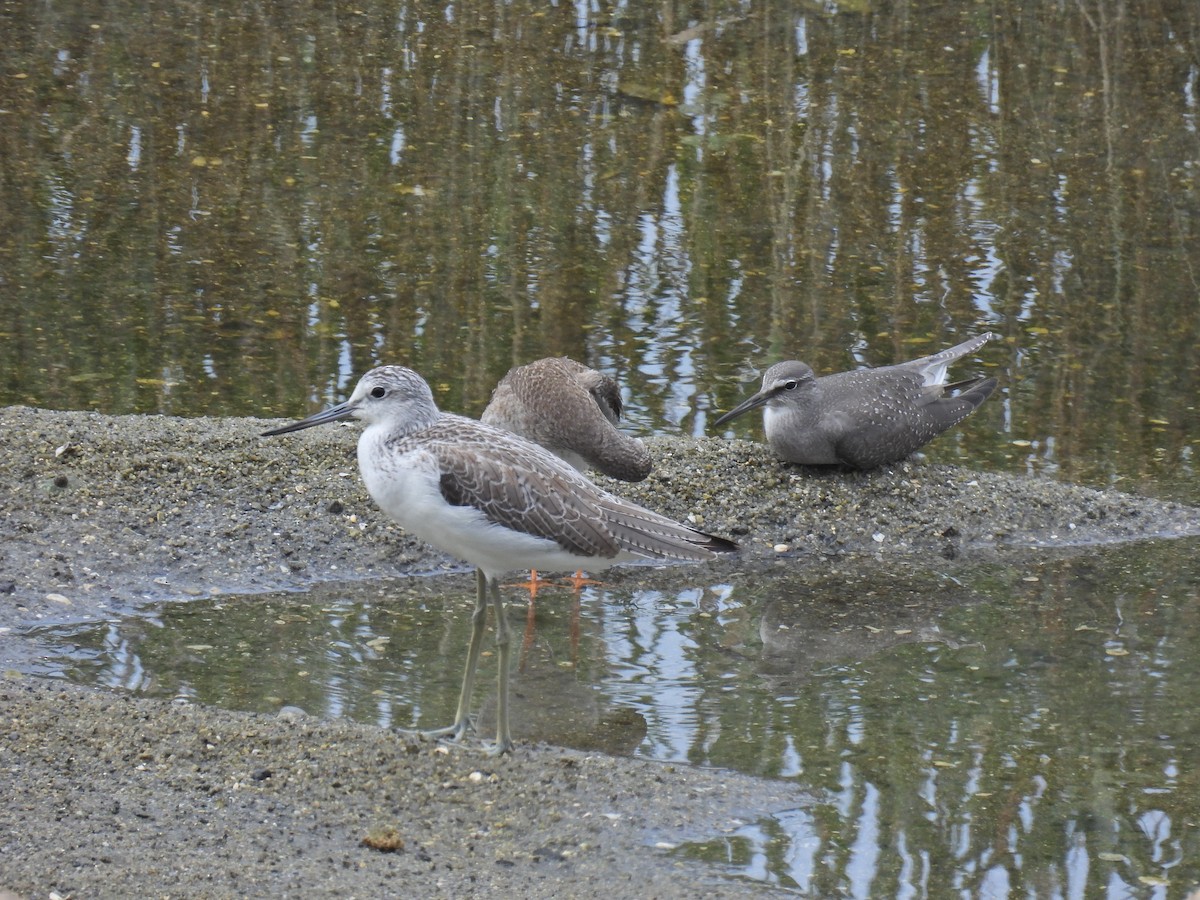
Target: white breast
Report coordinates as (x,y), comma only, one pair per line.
(407,487)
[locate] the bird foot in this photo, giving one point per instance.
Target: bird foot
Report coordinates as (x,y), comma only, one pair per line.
(498,748)
(451,734)
(534,584)
(459,735)
(579,581)
(461,738)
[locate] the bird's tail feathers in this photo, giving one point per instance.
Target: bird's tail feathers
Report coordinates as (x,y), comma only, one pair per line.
(653,536)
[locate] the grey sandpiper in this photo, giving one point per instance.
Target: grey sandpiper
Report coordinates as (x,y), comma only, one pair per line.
(868,417)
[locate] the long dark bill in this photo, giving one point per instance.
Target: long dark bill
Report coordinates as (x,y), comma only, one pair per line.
(746,405)
(333,414)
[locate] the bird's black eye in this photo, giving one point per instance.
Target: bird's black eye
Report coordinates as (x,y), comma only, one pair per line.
(791,384)
(378,392)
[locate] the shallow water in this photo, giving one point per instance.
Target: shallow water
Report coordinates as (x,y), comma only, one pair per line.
(1017,727)
(236,209)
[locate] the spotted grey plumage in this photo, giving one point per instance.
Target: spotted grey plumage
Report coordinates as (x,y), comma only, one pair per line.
(867,417)
(496,500)
(572,411)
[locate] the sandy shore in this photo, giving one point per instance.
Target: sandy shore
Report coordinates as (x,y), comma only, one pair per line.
(115,796)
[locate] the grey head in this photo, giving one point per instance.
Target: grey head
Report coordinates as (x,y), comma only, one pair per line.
(786,383)
(572,411)
(391,395)
(866,417)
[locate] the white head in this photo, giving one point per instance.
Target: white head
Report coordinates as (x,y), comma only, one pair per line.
(390,395)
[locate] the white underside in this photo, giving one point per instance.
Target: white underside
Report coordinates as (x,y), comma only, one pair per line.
(407,490)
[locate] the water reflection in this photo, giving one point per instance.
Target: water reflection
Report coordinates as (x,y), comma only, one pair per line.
(987,729)
(238,210)
(233,208)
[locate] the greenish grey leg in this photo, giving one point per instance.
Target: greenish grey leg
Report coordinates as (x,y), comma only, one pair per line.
(504,743)
(462,718)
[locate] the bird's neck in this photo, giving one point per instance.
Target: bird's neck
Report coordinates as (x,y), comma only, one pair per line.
(414,420)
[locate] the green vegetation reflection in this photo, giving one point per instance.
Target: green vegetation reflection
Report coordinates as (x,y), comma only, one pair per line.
(232,209)
(1025,722)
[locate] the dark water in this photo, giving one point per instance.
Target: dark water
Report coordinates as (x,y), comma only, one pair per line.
(993,729)
(236,209)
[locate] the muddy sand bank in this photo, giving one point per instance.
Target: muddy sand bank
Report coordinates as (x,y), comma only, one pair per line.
(111,796)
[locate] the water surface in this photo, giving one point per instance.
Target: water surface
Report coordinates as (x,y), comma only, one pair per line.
(1020,727)
(236,209)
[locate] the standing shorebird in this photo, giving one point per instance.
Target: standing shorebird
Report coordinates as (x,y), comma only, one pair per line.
(497,501)
(868,417)
(572,411)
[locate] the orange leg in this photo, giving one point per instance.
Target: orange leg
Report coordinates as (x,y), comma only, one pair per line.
(579,581)
(530,632)
(533,585)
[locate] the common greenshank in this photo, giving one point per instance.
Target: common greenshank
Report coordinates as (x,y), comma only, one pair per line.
(497,501)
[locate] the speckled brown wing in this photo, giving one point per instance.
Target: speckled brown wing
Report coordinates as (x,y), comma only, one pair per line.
(517,485)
